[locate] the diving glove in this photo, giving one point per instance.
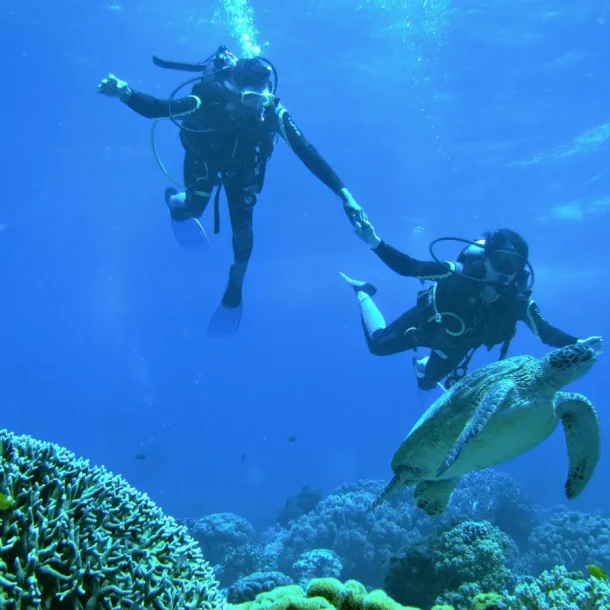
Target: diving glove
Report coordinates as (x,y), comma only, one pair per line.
(114,87)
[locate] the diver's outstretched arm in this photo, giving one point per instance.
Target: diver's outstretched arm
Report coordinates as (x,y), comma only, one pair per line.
(548,334)
(146,105)
(402,263)
(315,163)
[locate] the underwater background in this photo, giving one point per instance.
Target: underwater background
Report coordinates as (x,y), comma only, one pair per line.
(442,118)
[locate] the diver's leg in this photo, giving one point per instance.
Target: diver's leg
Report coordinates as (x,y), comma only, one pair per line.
(400,336)
(372,318)
(430,371)
(241,208)
(199,182)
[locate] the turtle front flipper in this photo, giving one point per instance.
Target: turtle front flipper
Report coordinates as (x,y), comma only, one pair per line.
(433,496)
(481,415)
(583,438)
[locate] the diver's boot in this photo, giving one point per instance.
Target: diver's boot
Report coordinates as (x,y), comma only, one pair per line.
(420,366)
(233,294)
(174,198)
(358,286)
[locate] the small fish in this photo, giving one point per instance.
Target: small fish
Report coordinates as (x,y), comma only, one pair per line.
(140,456)
(597,572)
(6,502)
(292,439)
(244,456)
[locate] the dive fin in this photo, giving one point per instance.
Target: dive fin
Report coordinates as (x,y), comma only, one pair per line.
(225,321)
(190,234)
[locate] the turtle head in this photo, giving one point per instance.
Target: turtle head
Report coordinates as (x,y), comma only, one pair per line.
(567,364)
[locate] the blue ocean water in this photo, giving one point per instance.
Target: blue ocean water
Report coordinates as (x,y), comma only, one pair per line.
(442,118)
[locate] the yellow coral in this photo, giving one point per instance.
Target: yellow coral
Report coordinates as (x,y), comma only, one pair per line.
(486,601)
(443,607)
(324,594)
(330,589)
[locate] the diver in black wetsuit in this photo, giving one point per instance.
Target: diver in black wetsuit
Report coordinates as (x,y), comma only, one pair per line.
(229,127)
(474,301)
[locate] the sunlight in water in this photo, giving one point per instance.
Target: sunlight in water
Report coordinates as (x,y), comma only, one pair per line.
(238,15)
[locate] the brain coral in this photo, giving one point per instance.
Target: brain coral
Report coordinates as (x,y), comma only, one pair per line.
(76,536)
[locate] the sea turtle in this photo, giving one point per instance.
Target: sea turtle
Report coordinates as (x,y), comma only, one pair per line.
(495,414)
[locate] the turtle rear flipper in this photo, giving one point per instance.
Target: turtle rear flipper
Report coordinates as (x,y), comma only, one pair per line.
(433,496)
(583,438)
(481,415)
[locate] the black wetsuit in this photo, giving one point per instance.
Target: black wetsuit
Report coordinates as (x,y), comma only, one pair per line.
(454,305)
(233,153)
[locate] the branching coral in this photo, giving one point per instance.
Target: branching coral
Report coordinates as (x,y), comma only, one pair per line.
(82,538)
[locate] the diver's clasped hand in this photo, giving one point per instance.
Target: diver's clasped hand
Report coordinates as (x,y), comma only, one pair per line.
(114,87)
(366,232)
(354,212)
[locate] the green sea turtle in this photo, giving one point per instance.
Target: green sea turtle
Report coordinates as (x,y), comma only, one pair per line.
(495,414)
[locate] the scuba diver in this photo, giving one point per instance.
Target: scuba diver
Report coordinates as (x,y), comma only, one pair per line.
(229,125)
(476,300)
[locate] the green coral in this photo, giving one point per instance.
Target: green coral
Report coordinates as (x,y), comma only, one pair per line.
(323,594)
(488,601)
(79,537)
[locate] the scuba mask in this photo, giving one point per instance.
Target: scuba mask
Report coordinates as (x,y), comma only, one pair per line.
(503,269)
(257,99)
(250,81)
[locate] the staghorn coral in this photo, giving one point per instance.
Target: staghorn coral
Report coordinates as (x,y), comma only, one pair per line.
(572,539)
(79,537)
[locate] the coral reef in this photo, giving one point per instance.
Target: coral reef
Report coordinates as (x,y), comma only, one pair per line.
(572,539)
(559,589)
(299,505)
(248,588)
(323,594)
(317,563)
(451,567)
(342,522)
(219,533)
(231,544)
(77,536)
(492,496)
